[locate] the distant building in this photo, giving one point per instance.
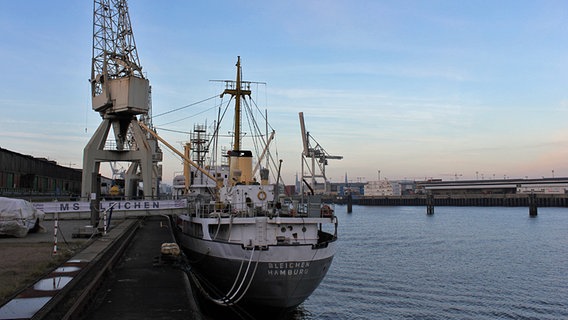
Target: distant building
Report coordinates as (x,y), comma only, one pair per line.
(26,176)
(353,188)
(381,188)
(384,188)
(290,190)
(499,186)
(407,187)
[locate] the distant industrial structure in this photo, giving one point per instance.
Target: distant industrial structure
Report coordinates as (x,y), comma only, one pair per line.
(545,192)
(26,176)
(33,178)
(504,186)
(396,188)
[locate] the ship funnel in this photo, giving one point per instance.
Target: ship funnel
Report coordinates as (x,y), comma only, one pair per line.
(240,164)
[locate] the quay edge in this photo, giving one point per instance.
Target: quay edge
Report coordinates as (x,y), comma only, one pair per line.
(466,200)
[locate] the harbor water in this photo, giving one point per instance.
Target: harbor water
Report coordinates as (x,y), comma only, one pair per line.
(459,263)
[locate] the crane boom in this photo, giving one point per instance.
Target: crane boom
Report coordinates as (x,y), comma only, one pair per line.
(304,133)
(183,156)
(257,166)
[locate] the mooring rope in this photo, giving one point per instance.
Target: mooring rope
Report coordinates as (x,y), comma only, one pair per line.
(229,300)
(226,300)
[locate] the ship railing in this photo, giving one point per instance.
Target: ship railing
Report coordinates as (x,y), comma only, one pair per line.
(309,205)
(204,210)
(311,209)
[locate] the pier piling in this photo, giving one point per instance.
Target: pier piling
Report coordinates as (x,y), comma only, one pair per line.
(533,210)
(430,204)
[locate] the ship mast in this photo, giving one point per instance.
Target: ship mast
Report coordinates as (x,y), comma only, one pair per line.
(237,143)
(237,91)
(240,161)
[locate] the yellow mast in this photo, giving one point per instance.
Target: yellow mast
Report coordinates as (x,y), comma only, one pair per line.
(237,92)
(240,162)
(237,144)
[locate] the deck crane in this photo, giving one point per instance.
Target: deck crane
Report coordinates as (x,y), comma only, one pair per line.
(314,157)
(120,92)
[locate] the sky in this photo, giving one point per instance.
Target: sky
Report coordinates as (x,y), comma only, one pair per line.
(402,89)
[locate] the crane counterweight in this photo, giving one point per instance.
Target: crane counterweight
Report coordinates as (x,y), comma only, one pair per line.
(128,95)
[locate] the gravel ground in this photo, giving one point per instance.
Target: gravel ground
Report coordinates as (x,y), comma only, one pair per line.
(24,260)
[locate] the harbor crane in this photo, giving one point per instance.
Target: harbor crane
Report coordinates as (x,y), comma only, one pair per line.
(314,159)
(120,93)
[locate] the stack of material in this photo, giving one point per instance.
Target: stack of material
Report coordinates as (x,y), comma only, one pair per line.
(17,217)
(170,249)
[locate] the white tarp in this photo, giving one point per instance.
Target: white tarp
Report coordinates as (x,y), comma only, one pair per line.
(18,216)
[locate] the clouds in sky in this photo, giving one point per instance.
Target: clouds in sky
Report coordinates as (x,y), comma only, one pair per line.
(411,88)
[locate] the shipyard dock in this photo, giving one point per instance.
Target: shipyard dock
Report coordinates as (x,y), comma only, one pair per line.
(143,284)
(118,275)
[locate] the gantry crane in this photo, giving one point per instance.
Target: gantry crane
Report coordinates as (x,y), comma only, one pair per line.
(120,92)
(314,157)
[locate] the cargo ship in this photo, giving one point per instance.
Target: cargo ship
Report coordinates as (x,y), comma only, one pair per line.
(247,243)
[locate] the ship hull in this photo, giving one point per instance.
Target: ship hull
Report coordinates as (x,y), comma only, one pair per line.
(274,276)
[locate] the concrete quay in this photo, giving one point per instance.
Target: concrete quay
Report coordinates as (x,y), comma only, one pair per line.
(119,275)
(53,284)
(143,285)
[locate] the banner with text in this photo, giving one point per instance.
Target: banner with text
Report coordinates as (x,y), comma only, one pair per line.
(52,207)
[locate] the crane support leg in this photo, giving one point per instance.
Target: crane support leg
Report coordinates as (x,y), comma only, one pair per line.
(95,153)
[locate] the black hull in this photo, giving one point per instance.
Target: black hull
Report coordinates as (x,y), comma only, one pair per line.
(277,284)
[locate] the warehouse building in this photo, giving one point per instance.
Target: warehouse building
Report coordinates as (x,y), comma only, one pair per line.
(26,176)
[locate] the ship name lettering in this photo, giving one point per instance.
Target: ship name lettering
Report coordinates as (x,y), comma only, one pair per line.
(288,268)
(289,265)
